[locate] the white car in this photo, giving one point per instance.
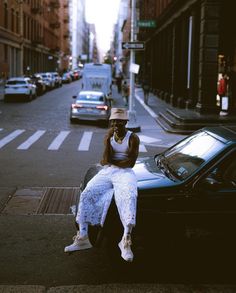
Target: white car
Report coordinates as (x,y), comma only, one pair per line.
(48,79)
(20,87)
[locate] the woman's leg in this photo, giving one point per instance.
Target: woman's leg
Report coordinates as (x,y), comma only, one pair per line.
(125,189)
(93,201)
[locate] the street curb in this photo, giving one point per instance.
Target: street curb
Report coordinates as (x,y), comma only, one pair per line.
(120,288)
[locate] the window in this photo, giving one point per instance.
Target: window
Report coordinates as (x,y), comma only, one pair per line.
(5,16)
(12,20)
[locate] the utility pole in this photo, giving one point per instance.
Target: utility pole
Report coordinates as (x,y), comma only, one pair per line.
(132,123)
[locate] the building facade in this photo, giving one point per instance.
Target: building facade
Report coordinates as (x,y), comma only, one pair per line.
(32,36)
(193,41)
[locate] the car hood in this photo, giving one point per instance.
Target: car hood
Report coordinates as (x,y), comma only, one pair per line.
(150,176)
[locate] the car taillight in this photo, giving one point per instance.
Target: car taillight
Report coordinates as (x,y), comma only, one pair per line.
(105,107)
(76,106)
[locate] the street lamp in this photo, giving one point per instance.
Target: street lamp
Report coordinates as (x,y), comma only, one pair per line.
(132,123)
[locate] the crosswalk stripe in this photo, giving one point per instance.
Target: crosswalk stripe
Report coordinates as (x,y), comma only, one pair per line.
(58,140)
(85,141)
(142,148)
(10,137)
(32,139)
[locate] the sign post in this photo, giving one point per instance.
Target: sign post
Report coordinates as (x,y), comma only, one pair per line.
(132,123)
(133,45)
(147,23)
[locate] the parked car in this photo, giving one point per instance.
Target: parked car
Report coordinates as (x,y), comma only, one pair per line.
(48,79)
(186,192)
(90,105)
(19,87)
(57,79)
(66,78)
(76,73)
(41,87)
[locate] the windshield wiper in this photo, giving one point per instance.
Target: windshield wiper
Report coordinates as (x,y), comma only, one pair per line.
(162,163)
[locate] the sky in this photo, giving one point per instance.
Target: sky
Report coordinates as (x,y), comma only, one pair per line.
(103,13)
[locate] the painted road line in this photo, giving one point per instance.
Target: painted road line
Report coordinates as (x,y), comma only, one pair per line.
(147,108)
(85,141)
(142,148)
(10,137)
(58,140)
(32,139)
(148,139)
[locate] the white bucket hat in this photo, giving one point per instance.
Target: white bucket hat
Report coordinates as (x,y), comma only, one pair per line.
(119,113)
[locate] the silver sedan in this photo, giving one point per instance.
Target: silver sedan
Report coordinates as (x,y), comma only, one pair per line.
(90,105)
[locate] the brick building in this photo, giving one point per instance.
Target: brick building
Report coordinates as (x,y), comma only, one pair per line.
(34,36)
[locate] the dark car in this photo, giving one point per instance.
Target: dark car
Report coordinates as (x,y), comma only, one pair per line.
(90,105)
(189,190)
(41,86)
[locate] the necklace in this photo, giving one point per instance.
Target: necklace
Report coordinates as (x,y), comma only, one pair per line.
(118,139)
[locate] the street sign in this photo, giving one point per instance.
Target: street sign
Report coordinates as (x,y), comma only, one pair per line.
(133,45)
(146,23)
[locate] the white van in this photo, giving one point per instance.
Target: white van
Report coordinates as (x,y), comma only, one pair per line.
(97,77)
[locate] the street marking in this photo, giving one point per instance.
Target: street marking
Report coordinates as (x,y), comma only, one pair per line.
(142,148)
(147,108)
(10,137)
(58,140)
(148,139)
(85,141)
(32,139)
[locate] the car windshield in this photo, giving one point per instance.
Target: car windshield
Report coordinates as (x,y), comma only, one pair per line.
(16,82)
(90,98)
(187,156)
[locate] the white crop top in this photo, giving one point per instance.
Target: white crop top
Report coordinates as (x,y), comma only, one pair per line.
(120,149)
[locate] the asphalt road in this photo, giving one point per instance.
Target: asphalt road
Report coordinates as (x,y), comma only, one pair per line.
(31,245)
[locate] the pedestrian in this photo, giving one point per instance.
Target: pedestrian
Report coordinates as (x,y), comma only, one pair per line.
(222,87)
(125,92)
(146,89)
(116,178)
(119,79)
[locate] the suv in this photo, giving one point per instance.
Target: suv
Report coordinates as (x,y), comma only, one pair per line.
(20,87)
(48,79)
(57,79)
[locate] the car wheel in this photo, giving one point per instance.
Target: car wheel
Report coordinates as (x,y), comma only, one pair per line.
(113,232)
(30,97)
(72,120)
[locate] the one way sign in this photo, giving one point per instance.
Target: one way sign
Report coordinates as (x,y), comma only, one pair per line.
(133,45)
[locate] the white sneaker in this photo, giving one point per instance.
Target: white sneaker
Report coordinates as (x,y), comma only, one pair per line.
(80,243)
(124,245)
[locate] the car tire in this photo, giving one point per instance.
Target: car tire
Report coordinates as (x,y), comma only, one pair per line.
(72,120)
(30,97)
(6,99)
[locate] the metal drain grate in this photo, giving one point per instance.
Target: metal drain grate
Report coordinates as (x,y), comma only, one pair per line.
(58,200)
